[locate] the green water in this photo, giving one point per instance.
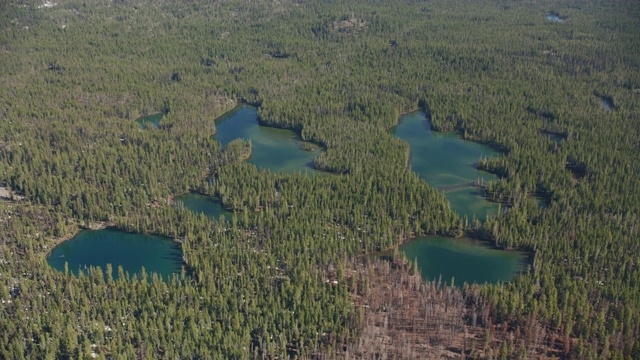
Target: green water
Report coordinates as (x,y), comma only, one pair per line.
(275,149)
(131,251)
(201,204)
(464,259)
(469,201)
(154,120)
(448,163)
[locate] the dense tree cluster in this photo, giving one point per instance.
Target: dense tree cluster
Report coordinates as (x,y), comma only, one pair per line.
(76,75)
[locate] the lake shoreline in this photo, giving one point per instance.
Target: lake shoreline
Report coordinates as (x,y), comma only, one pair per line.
(180,263)
(298,130)
(209,196)
(268,138)
(457,131)
(470,246)
(461,177)
(473,235)
(77,228)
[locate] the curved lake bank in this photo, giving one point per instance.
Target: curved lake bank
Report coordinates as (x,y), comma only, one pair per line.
(202,204)
(464,259)
(109,246)
(278,150)
(152,120)
(447,162)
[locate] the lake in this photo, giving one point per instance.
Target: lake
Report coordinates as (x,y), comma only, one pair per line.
(447,162)
(131,251)
(277,150)
(466,260)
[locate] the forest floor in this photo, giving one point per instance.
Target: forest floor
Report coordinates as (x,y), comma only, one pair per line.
(408,318)
(6,194)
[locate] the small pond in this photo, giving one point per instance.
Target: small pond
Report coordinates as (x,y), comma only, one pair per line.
(131,251)
(152,120)
(278,150)
(202,204)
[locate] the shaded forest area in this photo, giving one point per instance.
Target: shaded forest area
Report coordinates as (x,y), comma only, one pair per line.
(76,75)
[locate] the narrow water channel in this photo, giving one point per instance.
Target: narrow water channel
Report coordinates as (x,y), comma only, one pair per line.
(447,163)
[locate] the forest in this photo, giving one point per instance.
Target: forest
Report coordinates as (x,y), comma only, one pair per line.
(290,274)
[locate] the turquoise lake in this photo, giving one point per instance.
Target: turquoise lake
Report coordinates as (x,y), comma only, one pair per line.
(464,259)
(131,251)
(277,150)
(447,163)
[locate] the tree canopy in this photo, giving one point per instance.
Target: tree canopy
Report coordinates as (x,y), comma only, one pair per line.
(76,74)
